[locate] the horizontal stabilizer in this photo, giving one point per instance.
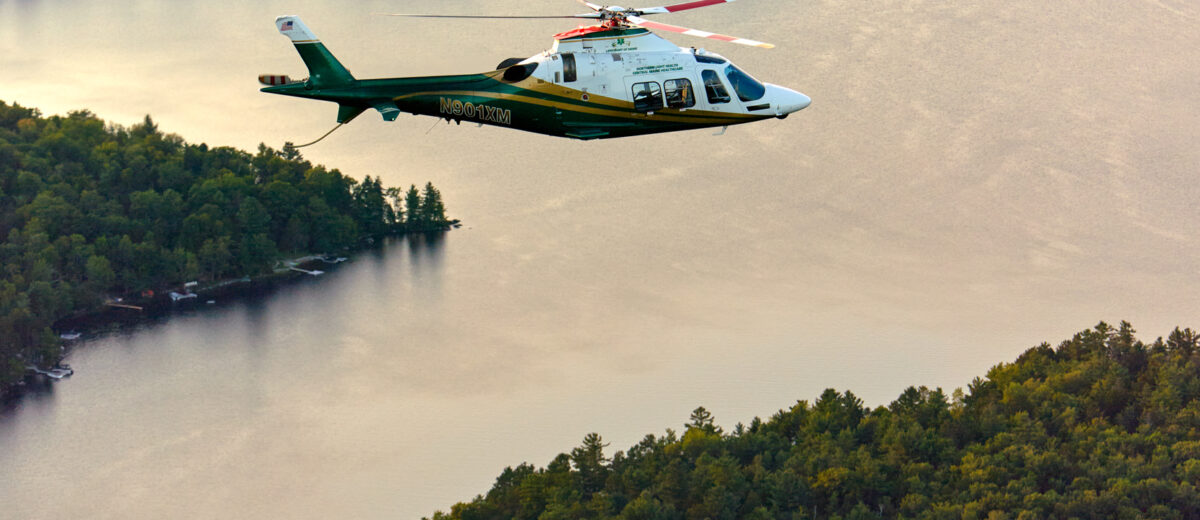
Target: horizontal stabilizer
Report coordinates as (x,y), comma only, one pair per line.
(348,112)
(388,110)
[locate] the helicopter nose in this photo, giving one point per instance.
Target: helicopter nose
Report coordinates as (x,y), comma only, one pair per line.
(800,101)
(788,100)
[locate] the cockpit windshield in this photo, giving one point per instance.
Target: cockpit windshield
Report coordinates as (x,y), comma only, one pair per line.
(747,88)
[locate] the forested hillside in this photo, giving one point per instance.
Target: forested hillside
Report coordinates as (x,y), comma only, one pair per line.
(90,211)
(1103,426)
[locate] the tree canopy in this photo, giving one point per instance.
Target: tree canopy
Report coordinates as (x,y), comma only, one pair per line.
(90,210)
(1103,426)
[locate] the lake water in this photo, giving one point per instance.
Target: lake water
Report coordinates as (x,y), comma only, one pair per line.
(971,180)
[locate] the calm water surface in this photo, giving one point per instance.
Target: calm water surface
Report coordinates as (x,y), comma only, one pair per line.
(970,181)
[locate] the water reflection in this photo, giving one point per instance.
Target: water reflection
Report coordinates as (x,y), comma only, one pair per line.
(426,252)
(426,248)
(38,390)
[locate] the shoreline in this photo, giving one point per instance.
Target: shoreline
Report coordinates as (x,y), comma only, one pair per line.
(136,307)
(136,310)
(108,320)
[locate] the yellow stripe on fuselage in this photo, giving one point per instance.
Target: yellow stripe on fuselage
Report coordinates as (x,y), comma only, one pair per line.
(620,109)
(555,89)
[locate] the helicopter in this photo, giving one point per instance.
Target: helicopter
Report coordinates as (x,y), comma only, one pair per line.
(612,79)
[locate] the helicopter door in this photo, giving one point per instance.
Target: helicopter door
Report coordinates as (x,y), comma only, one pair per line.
(717,93)
(645,92)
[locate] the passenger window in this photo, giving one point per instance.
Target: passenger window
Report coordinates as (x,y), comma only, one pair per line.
(647,96)
(569,74)
(679,93)
(713,87)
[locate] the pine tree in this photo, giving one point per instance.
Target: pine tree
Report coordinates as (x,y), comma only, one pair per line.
(412,207)
(590,463)
(433,212)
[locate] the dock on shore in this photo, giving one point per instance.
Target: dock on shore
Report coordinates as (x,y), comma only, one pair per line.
(124,306)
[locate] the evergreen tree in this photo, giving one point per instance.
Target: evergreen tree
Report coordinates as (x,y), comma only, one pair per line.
(412,208)
(590,463)
(702,419)
(433,212)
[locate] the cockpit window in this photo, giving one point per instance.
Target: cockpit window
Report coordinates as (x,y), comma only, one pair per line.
(747,88)
(713,87)
(700,58)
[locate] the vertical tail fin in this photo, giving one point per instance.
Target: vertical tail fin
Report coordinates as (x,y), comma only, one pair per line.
(323,69)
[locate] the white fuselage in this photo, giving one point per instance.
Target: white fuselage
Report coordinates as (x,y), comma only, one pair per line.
(647,67)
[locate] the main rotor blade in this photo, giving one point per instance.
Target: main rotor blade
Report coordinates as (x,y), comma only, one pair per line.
(680,7)
(642,22)
(591,5)
(585,15)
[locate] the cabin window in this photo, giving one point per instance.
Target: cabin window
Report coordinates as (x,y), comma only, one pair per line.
(569,73)
(713,87)
(747,88)
(679,93)
(647,96)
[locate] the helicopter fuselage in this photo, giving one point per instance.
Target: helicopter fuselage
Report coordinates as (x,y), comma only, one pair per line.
(596,82)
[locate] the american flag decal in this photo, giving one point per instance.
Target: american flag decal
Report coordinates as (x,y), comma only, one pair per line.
(287,26)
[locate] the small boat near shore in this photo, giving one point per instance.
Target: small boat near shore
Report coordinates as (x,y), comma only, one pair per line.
(56,373)
(176,296)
